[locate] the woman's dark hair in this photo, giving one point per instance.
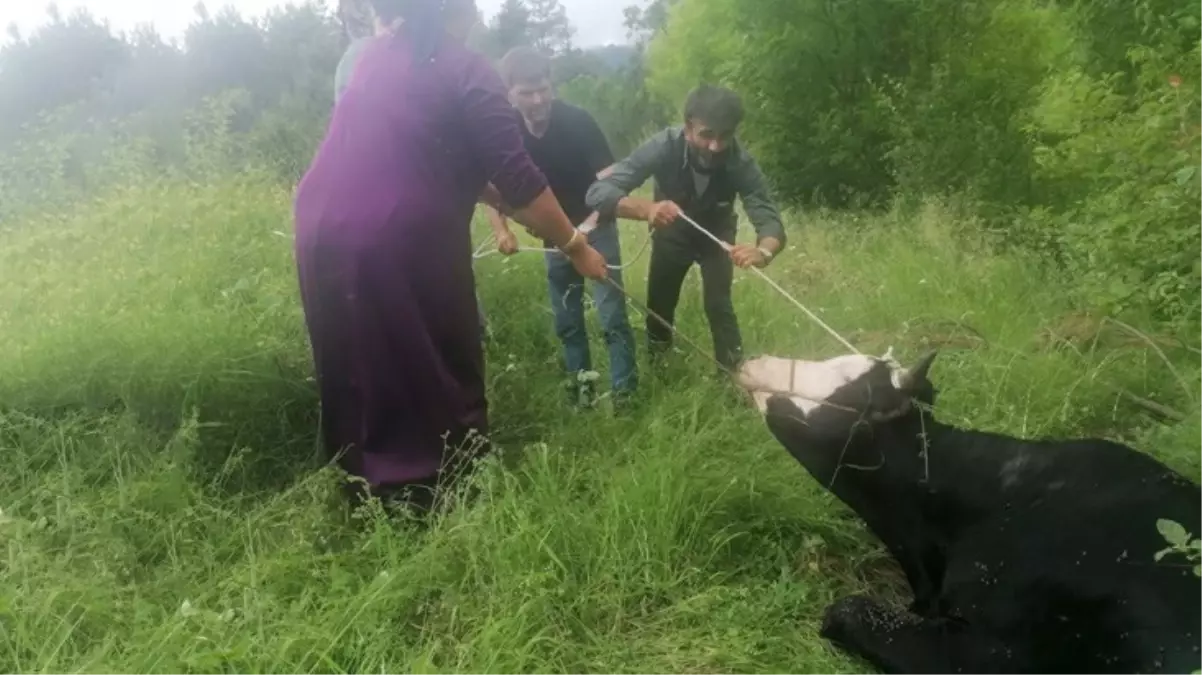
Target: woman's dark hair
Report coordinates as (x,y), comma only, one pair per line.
(422,22)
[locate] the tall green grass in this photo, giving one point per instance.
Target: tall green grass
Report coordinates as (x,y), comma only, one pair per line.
(165,507)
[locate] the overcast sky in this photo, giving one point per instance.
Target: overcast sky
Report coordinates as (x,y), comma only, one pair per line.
(597,22)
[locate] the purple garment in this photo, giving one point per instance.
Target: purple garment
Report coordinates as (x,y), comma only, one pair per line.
(384,255)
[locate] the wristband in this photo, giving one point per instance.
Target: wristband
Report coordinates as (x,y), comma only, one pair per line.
(566,247)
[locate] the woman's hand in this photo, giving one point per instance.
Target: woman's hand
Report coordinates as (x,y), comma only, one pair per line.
(507,243)
(587,261)
(549,222)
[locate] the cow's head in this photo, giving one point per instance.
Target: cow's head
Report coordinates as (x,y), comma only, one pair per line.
(848,410)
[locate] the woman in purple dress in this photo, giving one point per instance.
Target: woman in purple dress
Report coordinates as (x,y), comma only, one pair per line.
(383,246)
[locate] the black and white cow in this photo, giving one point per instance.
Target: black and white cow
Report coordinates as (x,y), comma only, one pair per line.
(1024,556)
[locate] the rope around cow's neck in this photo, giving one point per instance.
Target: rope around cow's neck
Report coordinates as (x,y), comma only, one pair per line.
(721,366)
(792,394)
(776,286)
(647,311)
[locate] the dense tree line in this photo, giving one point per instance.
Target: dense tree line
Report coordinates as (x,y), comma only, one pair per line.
(77,93)
(1070,126)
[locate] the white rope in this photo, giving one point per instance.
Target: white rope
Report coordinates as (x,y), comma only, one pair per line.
(727,247)
(477,253)
(481,253)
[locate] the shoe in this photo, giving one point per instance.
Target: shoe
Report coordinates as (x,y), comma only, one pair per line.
(624,403)
(581,394)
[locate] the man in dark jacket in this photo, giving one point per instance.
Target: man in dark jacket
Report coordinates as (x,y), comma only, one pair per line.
(568,146)
(699,168)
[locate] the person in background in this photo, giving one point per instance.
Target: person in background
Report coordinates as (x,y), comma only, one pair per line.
(423,131)
(699,168)
(360,24)
(570,149)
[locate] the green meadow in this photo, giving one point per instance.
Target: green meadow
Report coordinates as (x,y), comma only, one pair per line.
(166,505)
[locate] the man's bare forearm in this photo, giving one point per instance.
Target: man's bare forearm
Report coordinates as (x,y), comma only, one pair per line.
(495,205)
(634,208)
(770,244)
(491,197)
(496,220)
(615,182)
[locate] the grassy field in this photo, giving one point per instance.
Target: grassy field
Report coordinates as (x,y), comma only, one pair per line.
(164,505)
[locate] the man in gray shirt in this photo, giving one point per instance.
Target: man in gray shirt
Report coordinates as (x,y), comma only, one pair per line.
(699,168)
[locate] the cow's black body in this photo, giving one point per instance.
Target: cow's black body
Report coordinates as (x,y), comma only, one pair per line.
(1023,556)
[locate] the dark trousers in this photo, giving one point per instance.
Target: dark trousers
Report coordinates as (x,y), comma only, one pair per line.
(671,258)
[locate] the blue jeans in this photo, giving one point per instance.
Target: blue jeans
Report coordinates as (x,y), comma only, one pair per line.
(566,288)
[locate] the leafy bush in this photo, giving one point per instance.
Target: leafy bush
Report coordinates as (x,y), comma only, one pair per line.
(957,120)
(850,103)
(1124,177)
(811,118)
(626,112)
(1026,110)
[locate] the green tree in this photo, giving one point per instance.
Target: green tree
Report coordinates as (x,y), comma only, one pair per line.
(66,61)
(511,27)
(549,31)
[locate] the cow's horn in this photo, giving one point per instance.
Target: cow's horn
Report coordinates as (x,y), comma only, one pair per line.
(912,376)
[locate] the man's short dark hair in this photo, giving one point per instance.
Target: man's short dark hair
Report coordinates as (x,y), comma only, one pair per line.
(717,107)
(524,65)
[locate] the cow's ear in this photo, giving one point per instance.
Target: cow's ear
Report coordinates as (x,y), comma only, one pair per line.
(915,376)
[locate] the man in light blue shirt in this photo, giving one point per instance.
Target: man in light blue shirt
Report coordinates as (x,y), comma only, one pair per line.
(360,24)
(342,75)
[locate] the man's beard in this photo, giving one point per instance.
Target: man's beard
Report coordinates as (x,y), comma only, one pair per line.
(539,116)
(703,166)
